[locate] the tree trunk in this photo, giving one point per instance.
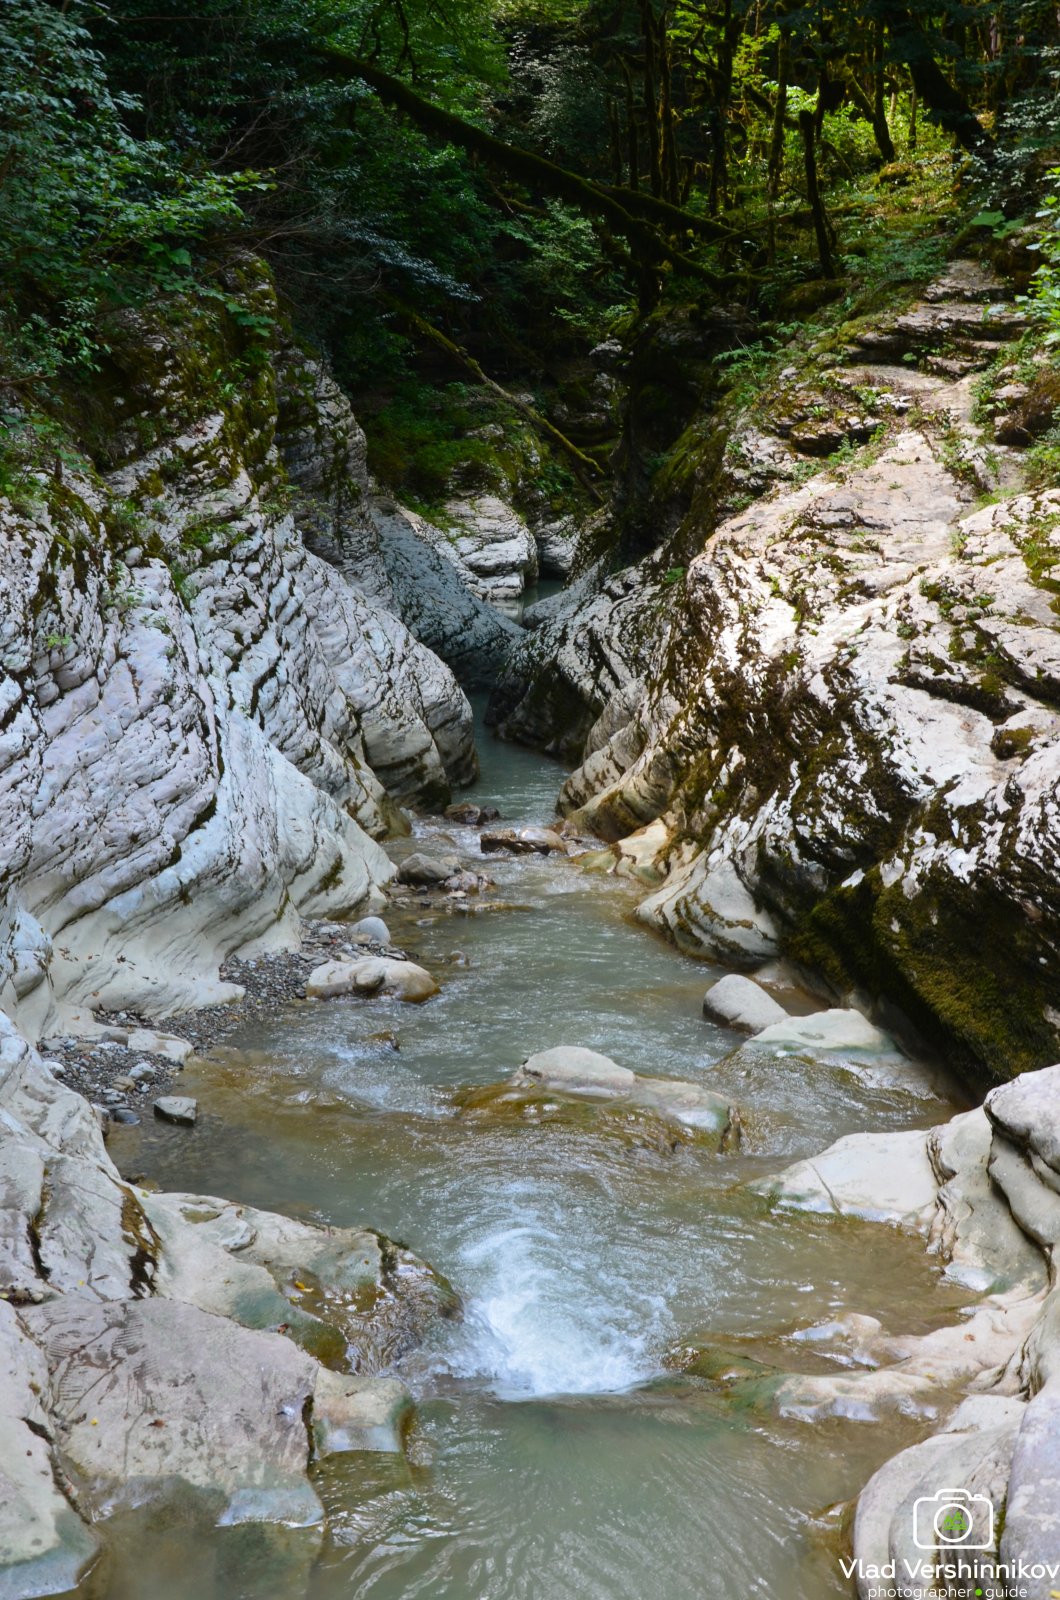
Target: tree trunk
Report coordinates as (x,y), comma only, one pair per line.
(632,141)
(648,245)
(719,171)
(671,179)
(614,143)
(882,132)
(586,468)
(651,97)
(813,194)
(775,166)
(944,103)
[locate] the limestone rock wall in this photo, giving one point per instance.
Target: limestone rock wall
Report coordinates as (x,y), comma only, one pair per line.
(204,726)
(849,732)
(393,556)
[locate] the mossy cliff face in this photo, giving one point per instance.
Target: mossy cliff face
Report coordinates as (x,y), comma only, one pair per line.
(205,725)
(848,721)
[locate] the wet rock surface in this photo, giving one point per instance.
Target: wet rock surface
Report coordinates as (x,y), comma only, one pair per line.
(897,643)
(982,1189)
(738,1002)
(570,1070)
(150,1340)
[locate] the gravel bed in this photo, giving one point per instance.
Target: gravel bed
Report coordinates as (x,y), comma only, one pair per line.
(125,1082)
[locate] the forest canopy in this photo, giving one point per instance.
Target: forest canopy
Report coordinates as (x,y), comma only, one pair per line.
(496,186)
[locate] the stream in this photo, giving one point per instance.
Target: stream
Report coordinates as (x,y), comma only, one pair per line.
(554,1455)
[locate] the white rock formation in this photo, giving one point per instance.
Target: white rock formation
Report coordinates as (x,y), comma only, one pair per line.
(585,646)
(139,1340)
(851,737)
(837,1029)
(985,1191)
(586,1074)
(375,975)
(493,542)
(204,724)
(738,1002)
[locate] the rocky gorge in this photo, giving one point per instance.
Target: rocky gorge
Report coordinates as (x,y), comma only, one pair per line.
(812,734)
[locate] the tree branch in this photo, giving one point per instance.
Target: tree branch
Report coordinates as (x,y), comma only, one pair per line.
(644,241)
(583,464)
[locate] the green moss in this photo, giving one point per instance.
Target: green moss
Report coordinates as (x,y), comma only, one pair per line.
(924,955)
(1009,742)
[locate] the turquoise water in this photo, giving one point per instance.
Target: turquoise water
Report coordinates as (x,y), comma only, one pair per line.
(554,1454)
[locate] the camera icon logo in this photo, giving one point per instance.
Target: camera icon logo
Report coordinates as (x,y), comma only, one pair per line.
(953,1519)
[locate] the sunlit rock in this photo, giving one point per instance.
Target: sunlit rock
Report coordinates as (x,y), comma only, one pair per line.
(374,975)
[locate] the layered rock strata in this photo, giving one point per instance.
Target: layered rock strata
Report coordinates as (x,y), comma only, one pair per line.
(984,1190)
(844,725)
(206,726)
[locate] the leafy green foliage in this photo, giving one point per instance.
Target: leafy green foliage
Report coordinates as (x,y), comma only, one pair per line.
(92,214)
(771,156)
(1044,297)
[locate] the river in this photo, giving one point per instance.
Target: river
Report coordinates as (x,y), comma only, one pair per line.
(555,1454)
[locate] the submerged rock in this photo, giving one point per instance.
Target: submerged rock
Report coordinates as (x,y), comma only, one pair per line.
(153,1345)
(578,1070)
(984,1189)
(471,814)
(44,1544)
(352,1413)
(177,1108)
(588,1075)
(349,1296)
(827,1030)
(738,1002)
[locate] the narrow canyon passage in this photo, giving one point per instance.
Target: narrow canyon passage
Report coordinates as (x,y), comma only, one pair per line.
(557,1447)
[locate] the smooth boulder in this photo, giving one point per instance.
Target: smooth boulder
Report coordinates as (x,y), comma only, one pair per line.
(147,1042)
(422,870)
(145,1391)
(177,1108)
(370,930)
(738,1002)
(588,1075)
(577,1071)
(827,1030)
(371,975)
(880,1177)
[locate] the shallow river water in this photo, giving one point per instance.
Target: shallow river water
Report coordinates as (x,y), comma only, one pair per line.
(554,1455)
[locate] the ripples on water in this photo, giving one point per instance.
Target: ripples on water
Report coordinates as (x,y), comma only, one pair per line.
(553,1457)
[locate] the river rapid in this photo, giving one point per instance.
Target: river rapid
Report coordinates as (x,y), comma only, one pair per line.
(556,1452)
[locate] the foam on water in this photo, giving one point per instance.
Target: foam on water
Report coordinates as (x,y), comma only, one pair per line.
(548,1315)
